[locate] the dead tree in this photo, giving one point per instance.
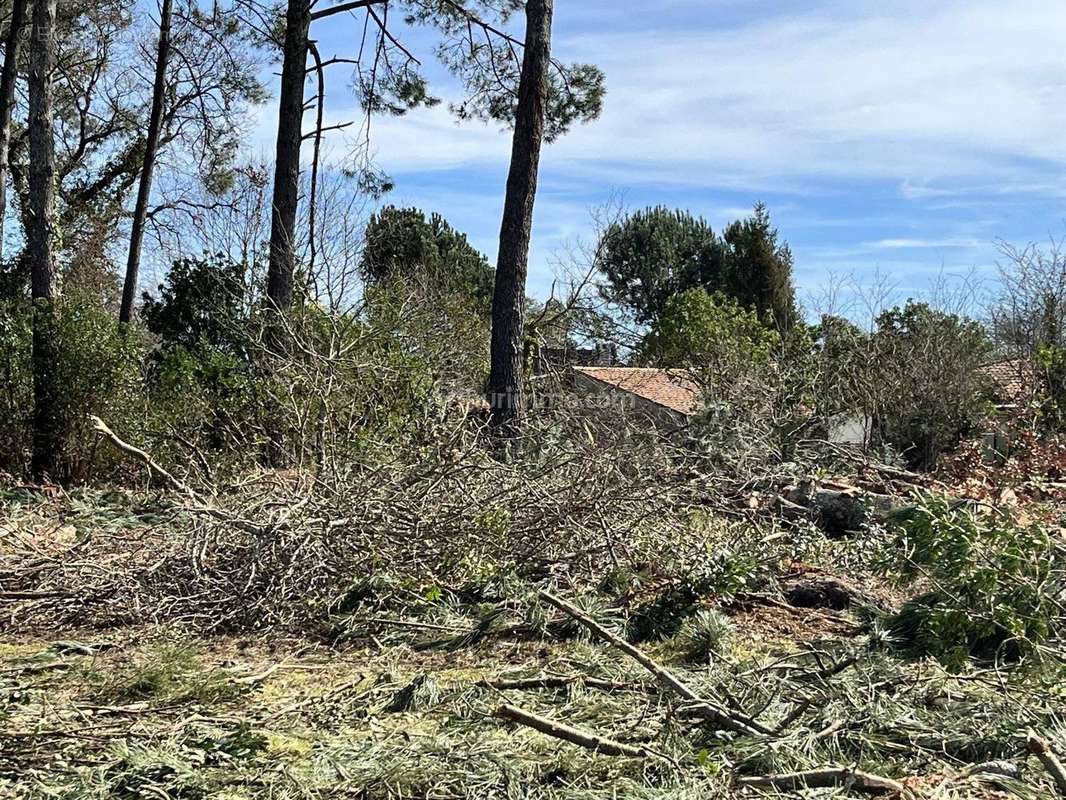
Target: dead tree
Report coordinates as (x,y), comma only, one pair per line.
(505,376)
(8,76)
(151,148)
(44,278)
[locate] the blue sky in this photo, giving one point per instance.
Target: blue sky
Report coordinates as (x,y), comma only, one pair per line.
(903,137)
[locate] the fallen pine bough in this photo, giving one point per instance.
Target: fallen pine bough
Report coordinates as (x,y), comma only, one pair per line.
(704,709)
(591,741)
(825,778)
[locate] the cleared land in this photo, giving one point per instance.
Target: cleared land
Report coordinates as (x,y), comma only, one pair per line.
(397,692)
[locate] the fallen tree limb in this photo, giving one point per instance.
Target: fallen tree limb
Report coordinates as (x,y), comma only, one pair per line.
(701,708)
(153,466)
(47,666)
(825,778)
(591,741)
(562,682)
(203,506)
(1045,755)
(31,595)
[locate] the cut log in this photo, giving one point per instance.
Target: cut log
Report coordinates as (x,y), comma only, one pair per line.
(837,511)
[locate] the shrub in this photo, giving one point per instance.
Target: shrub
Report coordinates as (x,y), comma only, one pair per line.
(16,398)
(708,332)
(925,389)
(722,572)
(99,370)
(1051,363)
(203,396)
(992,582)
(704,635)
(202,301)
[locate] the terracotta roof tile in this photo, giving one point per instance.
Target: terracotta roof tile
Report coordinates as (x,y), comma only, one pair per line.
(1014,379)
(670,388)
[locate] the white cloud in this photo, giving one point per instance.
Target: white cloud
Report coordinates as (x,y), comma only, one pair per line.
(919,94)
(921,244)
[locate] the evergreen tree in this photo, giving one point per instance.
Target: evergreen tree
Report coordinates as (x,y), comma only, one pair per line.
(656,254)
(403,242)
(759,269)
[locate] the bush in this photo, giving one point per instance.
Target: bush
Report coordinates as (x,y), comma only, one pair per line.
(99,370)
(202,301)
(706,634)
(204,396)
(992,582)
(925,390)
(1051,364)
(16,399)
(710,333)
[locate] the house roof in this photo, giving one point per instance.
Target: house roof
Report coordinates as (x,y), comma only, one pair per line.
(670,388)
(1013,378)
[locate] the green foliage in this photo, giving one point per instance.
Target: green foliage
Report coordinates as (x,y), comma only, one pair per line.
(202,301)
(705,634)
(992,582)
(658,253)
(723,573)
(418,695)
(202,382)
(402,244)
(841,366)
(204,395)
(361,379)
(926,389)
(436,343)
(759,268)
(1051,362)
(490,72)
(655,254)
(16,395)
(99,370)
(708,332)
(172,672)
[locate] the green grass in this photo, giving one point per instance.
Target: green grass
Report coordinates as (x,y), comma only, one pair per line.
(169,673)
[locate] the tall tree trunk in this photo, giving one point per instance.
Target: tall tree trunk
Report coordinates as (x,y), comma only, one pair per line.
(44,279)
(287,155)
(151,146)
(8,76)
(505,374)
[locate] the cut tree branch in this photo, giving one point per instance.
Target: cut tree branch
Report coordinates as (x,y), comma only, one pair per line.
(824,778)
(153,466)
(1042,750)
(591,741)
(705,709)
